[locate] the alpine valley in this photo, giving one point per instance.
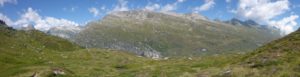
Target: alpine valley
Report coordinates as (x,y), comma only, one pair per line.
(142,43)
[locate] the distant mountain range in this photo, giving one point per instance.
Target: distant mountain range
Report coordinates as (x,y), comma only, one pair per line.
(154,34)
(67,32)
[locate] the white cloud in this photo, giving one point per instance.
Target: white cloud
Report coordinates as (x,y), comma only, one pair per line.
(103,8)
(264,11)
(121,6)
(73,9)
(70,9)
(171,7)
(228,1)
(180,1)
(168,7)
(49,22)
(152,7)
(286,25)
(94,11)
(2,2)
(31,17)
(6,19)
(206,6)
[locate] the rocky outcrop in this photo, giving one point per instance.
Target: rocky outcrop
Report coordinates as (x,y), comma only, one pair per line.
(28,27)
(2,22)
(67,32)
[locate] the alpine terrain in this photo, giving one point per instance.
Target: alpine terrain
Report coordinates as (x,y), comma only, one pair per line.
(155,34)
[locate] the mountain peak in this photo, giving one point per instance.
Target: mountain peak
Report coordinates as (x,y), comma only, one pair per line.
(135,14)
(195,16)
(235,21)
(250,22)
(145,14)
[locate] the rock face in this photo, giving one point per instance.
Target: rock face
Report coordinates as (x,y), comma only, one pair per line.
(2,22)
(156,34)
(29,27)
(67,32)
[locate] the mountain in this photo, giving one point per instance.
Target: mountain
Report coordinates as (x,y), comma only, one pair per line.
(67,32)
(249,23)
(235,21)
(155,34)
(28,27)
(2,23)
(25,53)
(25,48)
(279,52)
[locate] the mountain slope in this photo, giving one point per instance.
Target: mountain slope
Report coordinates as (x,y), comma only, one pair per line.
(22,48)
(280,58)
(25,53)
(277,52)
(67,32)
(153,34)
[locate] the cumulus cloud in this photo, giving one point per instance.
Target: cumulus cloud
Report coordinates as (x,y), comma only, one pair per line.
(228,1)
(206,6)
(31,17)
(286,25)
(49,22)
(180,1)
(94,11)
(2,2)
(265,11)
(103,8)
(152,7)
(6,19)
(262,10)
(121,6)
(171,7)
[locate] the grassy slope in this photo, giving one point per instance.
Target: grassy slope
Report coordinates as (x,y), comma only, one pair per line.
(25,48)
(280,58)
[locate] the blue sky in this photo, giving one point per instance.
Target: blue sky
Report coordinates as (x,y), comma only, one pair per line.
(77,10)
(282,14)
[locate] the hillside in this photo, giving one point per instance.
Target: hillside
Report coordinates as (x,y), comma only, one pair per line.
(278,58)
(25,53)
(154,34)
(20,48)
